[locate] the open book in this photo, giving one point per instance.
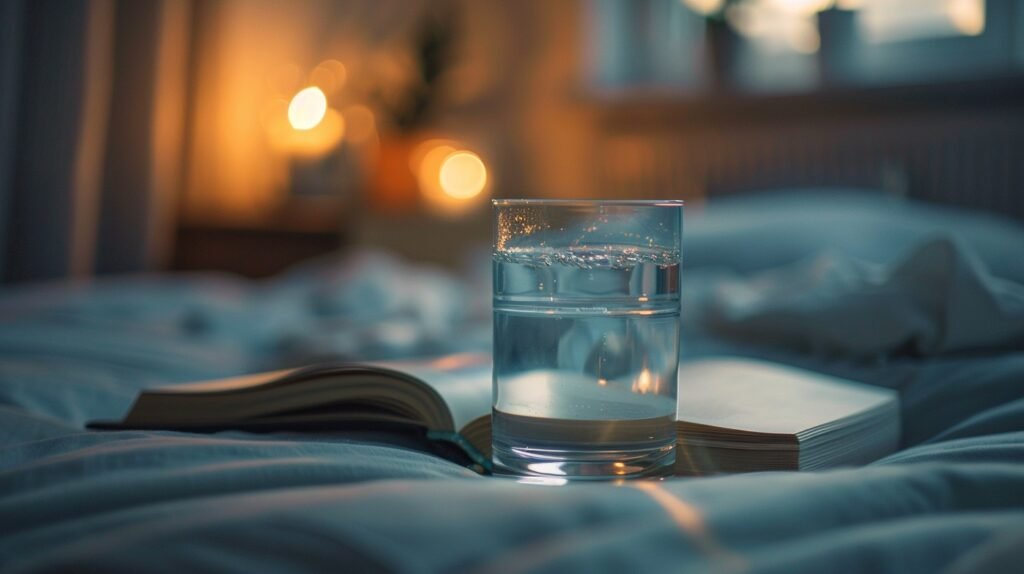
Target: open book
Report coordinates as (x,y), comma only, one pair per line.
(734,414)
(741,415)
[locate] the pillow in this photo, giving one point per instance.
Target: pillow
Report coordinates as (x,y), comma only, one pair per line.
(753,232)
(939,299)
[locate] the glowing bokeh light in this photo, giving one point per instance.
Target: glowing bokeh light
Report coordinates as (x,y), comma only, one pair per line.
(311,143)
(705,7)
(452,179)
(426,163)
(967,16)
(329,76)
(463,175)
(882,21)
(788,25)
(803,6)
(307,109)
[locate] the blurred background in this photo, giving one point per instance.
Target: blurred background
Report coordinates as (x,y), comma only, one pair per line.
(249,135)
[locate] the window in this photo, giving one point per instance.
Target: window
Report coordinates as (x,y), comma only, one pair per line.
(759,46)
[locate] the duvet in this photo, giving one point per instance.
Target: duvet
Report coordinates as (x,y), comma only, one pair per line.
(943,286)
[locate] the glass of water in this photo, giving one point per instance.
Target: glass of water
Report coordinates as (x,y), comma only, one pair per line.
(586,337)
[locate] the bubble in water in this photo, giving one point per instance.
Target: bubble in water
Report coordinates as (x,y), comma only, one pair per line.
(588,257)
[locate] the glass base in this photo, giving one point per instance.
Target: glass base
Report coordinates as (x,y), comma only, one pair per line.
(651,462)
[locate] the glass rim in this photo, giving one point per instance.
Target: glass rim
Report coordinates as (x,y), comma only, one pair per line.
(589,202)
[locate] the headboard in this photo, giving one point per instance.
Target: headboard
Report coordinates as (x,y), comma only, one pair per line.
(960,144)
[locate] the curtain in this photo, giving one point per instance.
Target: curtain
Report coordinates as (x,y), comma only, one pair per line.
(91,121)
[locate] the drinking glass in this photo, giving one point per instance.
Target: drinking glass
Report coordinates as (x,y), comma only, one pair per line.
(586,337)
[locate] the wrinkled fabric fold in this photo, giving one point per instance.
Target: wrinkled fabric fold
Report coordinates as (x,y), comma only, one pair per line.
(940,299)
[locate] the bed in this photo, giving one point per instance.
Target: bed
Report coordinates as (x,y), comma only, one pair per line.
(919,298)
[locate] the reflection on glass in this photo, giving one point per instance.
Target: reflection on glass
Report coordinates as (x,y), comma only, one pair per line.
(542,480)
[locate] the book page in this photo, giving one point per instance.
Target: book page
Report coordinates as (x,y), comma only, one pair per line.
(226,385)
(758,396)
(462,380)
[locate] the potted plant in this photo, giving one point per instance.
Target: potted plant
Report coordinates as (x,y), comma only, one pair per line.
(406,110)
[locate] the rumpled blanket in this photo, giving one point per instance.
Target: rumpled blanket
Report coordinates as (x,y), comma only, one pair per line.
(939,299)
(950,501)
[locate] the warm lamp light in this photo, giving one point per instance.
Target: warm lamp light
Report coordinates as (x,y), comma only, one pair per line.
(307,109)
(426,162)
(967,16)
(463,175)
(311,143)
(451,178)
(803,6)
(705,7)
